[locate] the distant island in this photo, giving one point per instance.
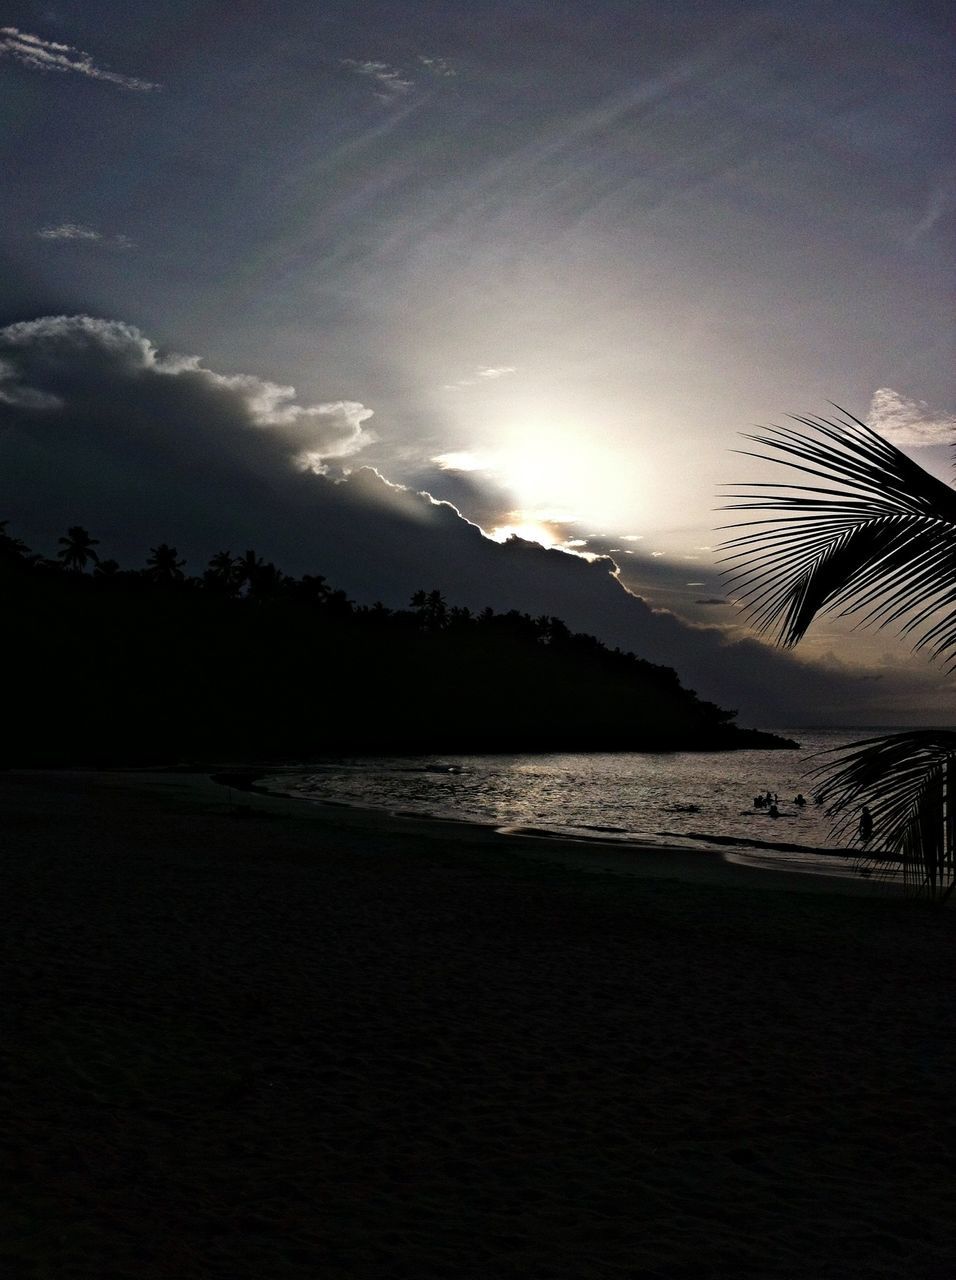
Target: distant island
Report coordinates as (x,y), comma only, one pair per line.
(106,665)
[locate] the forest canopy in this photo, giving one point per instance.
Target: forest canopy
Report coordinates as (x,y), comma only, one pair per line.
(152,665)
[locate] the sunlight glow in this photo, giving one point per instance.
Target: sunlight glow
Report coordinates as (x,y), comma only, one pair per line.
(529,531)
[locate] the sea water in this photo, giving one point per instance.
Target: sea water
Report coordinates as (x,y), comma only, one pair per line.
(687,799)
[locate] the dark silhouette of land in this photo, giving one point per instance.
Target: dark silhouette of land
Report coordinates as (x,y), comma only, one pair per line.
(110,665)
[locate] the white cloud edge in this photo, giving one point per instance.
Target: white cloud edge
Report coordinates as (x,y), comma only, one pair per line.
(392,82)
(48,55)
(905,421)
(484,373)
(268,404)
(73,231)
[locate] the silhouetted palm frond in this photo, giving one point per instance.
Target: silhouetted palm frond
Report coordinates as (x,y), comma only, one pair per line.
(872,534)
(908,782)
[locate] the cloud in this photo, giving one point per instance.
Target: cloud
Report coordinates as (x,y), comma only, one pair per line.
(940,204)
(465,460)
(440,67)
(484,373)
(390,81)
(711,600)
(99,427)
(68,360)
(46,55)
(69,231)
(909,422)
(76,231)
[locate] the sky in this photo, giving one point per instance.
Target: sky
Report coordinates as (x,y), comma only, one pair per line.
(540,262)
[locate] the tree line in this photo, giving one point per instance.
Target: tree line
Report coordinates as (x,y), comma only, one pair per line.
(244,661)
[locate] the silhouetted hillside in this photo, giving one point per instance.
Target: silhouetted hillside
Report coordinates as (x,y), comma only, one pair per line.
(106,665)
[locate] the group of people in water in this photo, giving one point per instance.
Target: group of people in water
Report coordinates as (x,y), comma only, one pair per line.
(770,800)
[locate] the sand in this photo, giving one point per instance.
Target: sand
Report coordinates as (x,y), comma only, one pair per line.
(320,1043)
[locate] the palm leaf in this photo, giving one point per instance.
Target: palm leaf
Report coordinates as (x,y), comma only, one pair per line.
(908,782)
(873,535)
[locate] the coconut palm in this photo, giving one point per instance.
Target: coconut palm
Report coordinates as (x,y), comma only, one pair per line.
(267,582)
(222,573)
(871,535)
(248,567)
(164,564)
(76,549)
(431,609)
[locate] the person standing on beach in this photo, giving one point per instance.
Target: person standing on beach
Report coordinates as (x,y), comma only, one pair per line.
(866,825)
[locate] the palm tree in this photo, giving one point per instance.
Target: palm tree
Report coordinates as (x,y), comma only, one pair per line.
(76,549)
(164,564)
(222,573)
(267,582)
(313,587)
(248,566)
(872,535)
(431,609)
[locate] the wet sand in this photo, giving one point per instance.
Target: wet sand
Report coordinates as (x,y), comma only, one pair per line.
(292,1041)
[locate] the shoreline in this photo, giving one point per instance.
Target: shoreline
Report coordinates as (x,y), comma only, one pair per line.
(626,856)
(731,861)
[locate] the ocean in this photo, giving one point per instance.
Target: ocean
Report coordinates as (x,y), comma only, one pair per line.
(688,799)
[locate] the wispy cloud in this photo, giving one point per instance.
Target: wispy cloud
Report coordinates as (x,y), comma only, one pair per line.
(484,373)
(390,83)
(940,203)
(437,66)
(76,231)
(69,231)
(912,422)
(47,55)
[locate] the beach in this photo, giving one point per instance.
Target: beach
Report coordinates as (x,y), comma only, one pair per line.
(249,1037)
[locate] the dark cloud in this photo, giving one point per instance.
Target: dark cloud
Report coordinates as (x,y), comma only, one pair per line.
(98,427)
(712,600)
(476,494)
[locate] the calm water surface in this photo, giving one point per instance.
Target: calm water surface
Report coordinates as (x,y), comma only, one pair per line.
(686,797)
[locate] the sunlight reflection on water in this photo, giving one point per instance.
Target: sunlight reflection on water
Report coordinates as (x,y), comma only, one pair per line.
(685,797)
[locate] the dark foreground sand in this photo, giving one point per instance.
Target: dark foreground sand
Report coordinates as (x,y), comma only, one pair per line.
(318,1044)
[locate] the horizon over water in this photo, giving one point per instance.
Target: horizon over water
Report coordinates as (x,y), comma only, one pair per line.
(691,799)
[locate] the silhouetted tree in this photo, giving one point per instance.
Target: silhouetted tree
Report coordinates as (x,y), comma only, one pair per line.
(266,583)
(164,565)
(76,549)
(338,605)
(15,555)
(316,672)
(871,534)
(431,609)
(314,587)
(248,566)
(222,573)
